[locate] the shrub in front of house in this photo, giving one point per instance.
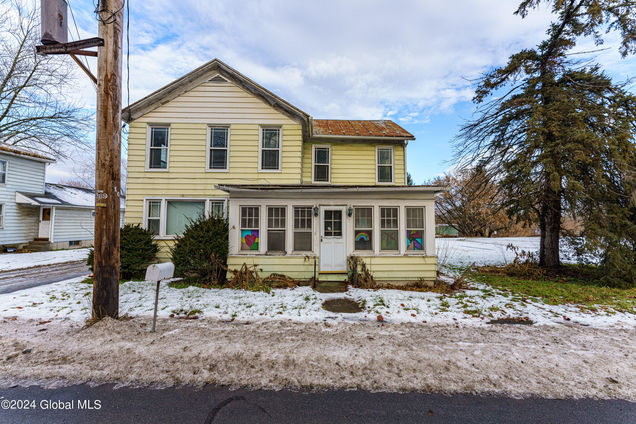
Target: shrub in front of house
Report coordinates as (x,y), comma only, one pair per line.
(137,250)
(200,254)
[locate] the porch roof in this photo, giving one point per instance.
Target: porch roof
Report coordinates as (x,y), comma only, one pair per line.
(60,195)
(326,189)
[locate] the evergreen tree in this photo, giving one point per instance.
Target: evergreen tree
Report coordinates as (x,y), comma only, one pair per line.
(556,132)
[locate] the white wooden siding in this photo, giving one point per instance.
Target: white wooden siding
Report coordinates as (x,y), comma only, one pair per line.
(20,222)
(73,224)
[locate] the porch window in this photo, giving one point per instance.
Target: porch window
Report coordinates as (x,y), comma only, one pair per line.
(363,229)
(250,225)
(302,228)
(415,229)
(322,163)
(153,220)
(217,208)
(219,148)
(3,171)
(1,215)
(158,147)
(276,229)
(270,149)
(384,158)
(180,213)
(388,228)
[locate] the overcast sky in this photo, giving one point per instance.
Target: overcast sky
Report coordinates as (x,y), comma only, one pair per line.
(409,61)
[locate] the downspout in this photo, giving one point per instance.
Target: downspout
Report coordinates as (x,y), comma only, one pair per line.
(406,144)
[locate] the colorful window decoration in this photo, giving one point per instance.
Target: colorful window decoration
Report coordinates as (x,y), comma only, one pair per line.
(414,240)
(249,239)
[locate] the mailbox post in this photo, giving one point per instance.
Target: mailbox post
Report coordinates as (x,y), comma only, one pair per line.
(159,273)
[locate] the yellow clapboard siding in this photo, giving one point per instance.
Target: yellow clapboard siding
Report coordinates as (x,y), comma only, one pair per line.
(208,102)
(353,162)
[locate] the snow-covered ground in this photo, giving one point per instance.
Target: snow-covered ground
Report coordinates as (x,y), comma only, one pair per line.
(71,299)
(463,251)
(547,361)
(10,261)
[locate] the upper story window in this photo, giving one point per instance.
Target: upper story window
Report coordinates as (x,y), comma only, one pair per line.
(3,171)
(270,149)
(384,163)
(322,164)
(158,147)
(219,149)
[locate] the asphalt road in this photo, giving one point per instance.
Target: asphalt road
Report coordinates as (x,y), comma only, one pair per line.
(220,405)
(20,279)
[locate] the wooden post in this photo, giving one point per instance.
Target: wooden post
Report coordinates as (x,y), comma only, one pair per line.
(108,160)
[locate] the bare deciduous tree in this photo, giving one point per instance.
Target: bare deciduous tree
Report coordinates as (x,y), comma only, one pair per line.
(35,109)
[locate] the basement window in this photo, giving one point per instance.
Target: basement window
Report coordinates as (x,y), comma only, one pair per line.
(74,243)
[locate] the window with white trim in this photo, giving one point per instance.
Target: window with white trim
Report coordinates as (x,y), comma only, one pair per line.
(158,147)
(389,228)
(322,164)
(217,208)
(250,228)
(415,228)
(3,171)
(384,158)
(303,228)
(153,218)
(219,148)
(1,215)
(363,229)
(180,213)
(270,149)
(276,228)
(169,217)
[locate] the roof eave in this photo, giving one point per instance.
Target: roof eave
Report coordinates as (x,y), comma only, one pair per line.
(362,137)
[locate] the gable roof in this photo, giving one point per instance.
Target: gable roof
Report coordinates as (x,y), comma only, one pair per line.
(203,74)
(13,151)
(359,129)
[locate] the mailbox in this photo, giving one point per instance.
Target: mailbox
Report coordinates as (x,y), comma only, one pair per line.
(158,272)
(54,21)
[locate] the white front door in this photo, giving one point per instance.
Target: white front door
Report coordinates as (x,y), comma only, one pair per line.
(45,223)
(333,252)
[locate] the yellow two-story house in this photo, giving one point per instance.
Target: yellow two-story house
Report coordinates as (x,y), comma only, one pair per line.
(296,191)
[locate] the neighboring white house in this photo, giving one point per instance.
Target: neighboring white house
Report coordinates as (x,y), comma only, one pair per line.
(39,214)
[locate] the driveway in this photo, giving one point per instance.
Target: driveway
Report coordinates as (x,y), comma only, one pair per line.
(20,279)
(213,404)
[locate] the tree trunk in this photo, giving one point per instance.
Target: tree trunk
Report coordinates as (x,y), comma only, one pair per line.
(550,226)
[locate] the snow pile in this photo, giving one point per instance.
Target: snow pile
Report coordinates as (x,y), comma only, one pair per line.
(10,261)
(553,362)
(71,299)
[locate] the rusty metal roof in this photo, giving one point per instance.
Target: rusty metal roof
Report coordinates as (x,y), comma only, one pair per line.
(359,129)
(22,152)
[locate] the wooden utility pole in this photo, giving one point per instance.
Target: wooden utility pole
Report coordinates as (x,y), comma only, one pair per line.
(108,160)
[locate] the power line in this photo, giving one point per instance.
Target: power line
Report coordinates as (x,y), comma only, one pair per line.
(79,38)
